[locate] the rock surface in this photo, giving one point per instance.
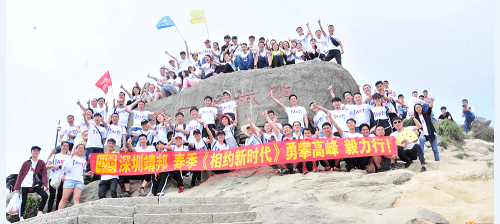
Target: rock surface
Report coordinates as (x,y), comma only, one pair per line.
(250,89)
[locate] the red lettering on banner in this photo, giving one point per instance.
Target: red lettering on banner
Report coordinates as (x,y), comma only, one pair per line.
(240,157)
(125,163)
(192,160)
(291,150)
(161,162)
(351,146)
(179,161)
(305,149)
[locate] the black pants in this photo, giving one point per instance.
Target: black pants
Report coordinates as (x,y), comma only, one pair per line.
(309,165)
(158,183)
(204,133)
(105,184)
(24,196)
(126,179)
(358,163)
(411,154)
(277,61)
(176,174)
(292,62)
(334,54)
(196,175)
(52,196)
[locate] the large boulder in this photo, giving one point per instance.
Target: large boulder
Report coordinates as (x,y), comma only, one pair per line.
(250,89)
(479,122)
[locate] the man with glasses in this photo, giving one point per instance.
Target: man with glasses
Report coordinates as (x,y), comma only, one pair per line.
(409,151)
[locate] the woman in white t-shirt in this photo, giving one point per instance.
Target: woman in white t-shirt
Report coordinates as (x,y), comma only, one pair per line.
(73,181)
(290,58)
(55,163)
(380,114)
(229,129)
(136,95)
(220,143)
(299,53)
(216,52)
(161,128)
(297,134)
(177,147)
(116,132)
(192,79)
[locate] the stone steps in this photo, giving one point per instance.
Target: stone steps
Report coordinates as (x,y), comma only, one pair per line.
(153,210)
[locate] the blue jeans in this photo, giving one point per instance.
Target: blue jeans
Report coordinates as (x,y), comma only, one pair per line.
(136,139)
(468,120)
(166,87)
(87,155)
(422,140)
(402,112)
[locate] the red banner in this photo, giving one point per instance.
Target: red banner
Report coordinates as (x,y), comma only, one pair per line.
(104,82)
(133,163)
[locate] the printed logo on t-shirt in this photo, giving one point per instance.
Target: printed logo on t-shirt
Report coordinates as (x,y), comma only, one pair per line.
(116,132)
(339,116)
(95,132)
(137,116)
(319,121)
(381,113)
(358,111)
(83,164)
(295,111)
(227,107)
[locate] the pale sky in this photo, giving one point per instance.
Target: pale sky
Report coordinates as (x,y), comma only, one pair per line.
(57,50)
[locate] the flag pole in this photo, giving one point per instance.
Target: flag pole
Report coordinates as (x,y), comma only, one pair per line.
(181,35)
(206,24)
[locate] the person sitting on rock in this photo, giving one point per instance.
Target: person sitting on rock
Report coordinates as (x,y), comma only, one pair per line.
(261,57)
(244,59)
(295,112)
(380,132)
(468,113)
(409,151)
(228,107)
(225,67)
(144,179)
(108,181)
(445,115)
(209,67)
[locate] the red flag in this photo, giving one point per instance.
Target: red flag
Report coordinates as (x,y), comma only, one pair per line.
(104,82)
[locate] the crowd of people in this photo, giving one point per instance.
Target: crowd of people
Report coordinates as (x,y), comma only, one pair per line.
(212,127)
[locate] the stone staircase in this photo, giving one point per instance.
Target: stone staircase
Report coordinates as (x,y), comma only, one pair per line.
(153,210)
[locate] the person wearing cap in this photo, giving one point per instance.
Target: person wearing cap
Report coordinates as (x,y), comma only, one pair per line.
(228,128)
(177,147)
(141,148)
(218,144)
(26,180)
(184,62)
(251,46)
(146,129)
(95,143)
(227,39)
(244,59)
(295,112)
(159,180)
(174,64)
(334,47)
(261,56)
(445,115)
(207,51)
(208,115)
(108,181)
(138,116)
(380,115)
(302,38)
(254,134)
(228,107)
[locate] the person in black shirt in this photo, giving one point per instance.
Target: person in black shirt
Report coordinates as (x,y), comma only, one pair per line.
(445,115)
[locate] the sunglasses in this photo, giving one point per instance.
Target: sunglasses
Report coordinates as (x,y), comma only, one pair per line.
(396,122)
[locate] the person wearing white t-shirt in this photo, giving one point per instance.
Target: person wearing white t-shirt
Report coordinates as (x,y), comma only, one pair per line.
(254,134)
(302,38)
(146,129)
(388,89)
(218,145)
(179,128)
(139,115)
(108,181)
(56,173)
(331,164)
(229,129)
(207,68)
(334,46)
(122,113)
(244,59)
(177,147)
(271,130)
(73,182)
(318,120)
(208,115)
(367,89)
(184,62)
(141,148)
(409,151)
(427,127)
(68,135)
(415,100)
(228,107)
(161,129)
(357,162)
(294,113)
(380,114)
(96,137)
(81,127)
(175,64)
(169,86)
(388,100)
(206,51)
(340,116)
(321,43)
(196,123)
(360,112)
(116,132)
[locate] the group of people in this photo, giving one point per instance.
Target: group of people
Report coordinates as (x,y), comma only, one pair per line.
(213,127)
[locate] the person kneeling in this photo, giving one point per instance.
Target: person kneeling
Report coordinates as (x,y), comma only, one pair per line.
(409,151)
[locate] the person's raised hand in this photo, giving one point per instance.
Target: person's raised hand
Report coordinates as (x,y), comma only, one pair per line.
(78,102)
(124,149)
(249,120)
(235,122)
(314,104)
(264,114)
(270,94)
(136,83)
(149,76)
(432,99)
(88,101)
(121,86)
(319,20)
(330,87)
(307,24)
(166,52)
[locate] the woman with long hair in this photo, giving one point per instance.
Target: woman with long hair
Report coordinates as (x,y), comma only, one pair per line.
(427,127)
(380,115)
(290,58)
(27,181)
(229,129)
(277,57)
(161,128)
(73,182)
(136,95)
(216,52)
(299,53)
(313,52)
(191,78)
(55,163)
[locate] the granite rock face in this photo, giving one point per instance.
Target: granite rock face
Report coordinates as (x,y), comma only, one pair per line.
(250,89)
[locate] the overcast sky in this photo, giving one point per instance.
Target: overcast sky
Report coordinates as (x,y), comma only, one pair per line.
(57,50)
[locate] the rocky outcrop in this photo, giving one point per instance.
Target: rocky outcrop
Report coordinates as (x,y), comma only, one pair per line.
(250,89)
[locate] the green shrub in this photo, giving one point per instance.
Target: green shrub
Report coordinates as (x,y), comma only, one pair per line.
(484,133)
(451,130)
(31,210)
(407,122)
(445,142)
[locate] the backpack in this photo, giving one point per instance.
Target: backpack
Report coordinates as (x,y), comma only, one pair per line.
(334,42)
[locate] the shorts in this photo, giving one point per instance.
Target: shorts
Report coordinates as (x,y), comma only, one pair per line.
(73,184)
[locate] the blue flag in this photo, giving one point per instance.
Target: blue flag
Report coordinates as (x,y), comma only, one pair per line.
(165,22)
